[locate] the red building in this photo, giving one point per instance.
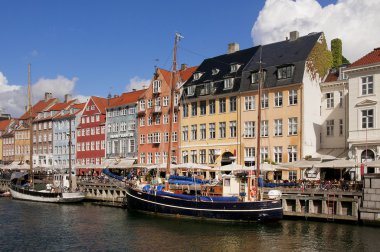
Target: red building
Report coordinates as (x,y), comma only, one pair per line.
(153,117)
(91,136)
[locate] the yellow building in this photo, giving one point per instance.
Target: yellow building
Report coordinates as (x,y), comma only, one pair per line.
(22,142)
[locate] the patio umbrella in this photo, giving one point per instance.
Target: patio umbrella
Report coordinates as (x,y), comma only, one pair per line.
(375,163)
(337,164)
(300,164)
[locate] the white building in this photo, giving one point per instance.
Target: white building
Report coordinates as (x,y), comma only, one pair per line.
(364,110)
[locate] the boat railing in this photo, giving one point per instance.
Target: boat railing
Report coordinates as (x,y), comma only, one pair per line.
(35,193)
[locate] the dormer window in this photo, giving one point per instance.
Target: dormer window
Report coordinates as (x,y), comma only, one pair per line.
(215,71)
(255,77)
(228,83)
(196,76)
(190,91)
(234,68)
(285,72)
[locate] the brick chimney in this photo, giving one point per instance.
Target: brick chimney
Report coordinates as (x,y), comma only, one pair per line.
(68,97)
(233,47)
(48,96)
(294,35)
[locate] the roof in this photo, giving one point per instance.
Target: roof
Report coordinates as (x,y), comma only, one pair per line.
(370,58)
(101,103)
(332,76)
(125,98)
(4,124)
(223,65)
(78,108)
(39,107)
(61,105)
(275,55)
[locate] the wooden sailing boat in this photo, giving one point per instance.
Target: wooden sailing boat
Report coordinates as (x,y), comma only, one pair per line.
(26,191)
(230,208)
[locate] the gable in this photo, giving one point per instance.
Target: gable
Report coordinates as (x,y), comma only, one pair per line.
(366,103)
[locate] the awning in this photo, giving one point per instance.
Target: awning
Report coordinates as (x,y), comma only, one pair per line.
(120,164)
(375,163)
(300,164)
(331,153)
(338,164)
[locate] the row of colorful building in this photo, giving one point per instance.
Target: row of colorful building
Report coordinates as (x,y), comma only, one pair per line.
(308,110)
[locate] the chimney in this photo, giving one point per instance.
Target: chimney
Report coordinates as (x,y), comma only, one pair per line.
(48,96)
(133,89)
(183,67)
(294,35)
(233,47)
(68,97)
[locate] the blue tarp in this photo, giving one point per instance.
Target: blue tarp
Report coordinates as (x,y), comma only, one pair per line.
(184,178)
(110,174)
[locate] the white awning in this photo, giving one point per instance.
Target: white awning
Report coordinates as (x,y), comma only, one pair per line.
(375,163)
(300,164)
(338,164)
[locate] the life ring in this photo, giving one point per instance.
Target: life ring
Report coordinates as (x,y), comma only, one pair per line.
(253,192)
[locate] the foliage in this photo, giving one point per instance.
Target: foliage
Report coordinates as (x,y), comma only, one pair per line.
(345,61)
(320,59)
(336,50)
(267,160)
(307,157)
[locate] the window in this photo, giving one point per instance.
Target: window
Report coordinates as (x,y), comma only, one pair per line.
(202,107)
(211,156)
(215,71)
(278,154)
(150,103)
(174,136)
(142,121)
(97,145)
(142,139)
(202,156)
(292,153)
(150,158)
(157,119)
(234,68)
(165,101)
(193,108)
(292,175)
(166,119)
(264,101)
(330,100)
(222,105)
(292,126)
(190,91)
(185,157)
(156,86)
(211,128)
(142,106)
(196,76)
(202,130)
(150,120)
(222,130)
(340,127)
(232,128)
(249,129)
(194,132)
(249,152)
(185,133)
(278,99)
(285,72)
(142,158)
(330,127)
(233,104)
(157,102)
(264,128)
(229,83)
(292,97)
(157,158)
(211,106)
(367,85)
(367,118)
(249,103)
(166,137)
(185,110)
(278,127)
(340,99)
(264,153)
(132,110)
(255,77)
(194,156)
(176,99)
(175,117)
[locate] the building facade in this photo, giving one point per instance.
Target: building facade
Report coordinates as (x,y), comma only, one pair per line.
(22,142)
(364,122)
(4,124)
(153,117)
(91,133)
(121,126)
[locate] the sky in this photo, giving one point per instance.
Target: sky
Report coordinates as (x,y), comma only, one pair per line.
(101,47)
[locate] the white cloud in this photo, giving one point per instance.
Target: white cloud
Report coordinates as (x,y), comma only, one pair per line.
(137,83)
(81,98)
(13,98)
(355,22)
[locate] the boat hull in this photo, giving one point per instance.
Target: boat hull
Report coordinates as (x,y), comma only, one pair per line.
(49,197)
(267,210)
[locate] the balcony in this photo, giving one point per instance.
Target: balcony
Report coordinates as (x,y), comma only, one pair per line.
(141,112)
(157,109)
(156,90)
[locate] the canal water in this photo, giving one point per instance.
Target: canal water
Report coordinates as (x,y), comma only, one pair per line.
(30,226)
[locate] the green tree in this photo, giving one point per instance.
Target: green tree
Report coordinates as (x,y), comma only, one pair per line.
(336,50)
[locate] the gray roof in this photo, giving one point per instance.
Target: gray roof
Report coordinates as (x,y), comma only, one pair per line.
(280,54)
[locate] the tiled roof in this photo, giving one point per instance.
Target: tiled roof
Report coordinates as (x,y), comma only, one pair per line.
(78,106)
(4,124)
(38,107)
(332,76)
(61,105)
(101,103)
(370,58)
(187,73)
(126,98)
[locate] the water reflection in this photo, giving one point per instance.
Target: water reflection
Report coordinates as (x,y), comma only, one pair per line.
(32,226)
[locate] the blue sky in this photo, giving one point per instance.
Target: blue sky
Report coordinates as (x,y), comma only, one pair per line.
(100,47)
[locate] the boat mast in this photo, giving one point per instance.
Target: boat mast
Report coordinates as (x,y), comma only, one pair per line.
(70,143)
(171,107)
(31,179)
(259,127)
